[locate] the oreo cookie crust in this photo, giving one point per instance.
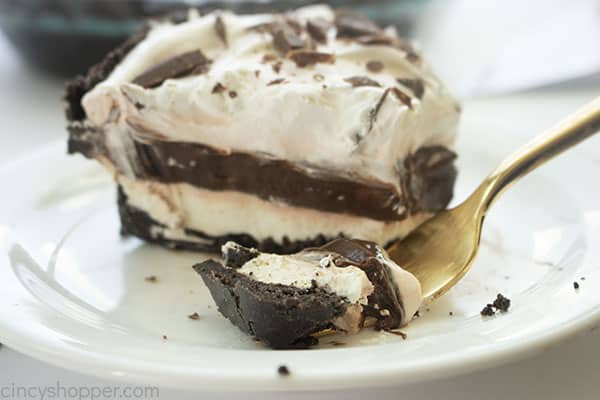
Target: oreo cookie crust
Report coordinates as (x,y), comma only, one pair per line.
(281,316)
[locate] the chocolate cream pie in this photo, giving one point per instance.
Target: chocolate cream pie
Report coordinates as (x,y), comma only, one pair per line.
(277,131)
(284,300)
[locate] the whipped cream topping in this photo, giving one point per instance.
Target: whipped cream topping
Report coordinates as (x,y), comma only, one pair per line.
(312,117)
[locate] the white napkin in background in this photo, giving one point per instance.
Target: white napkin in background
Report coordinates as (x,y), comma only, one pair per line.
(490,47)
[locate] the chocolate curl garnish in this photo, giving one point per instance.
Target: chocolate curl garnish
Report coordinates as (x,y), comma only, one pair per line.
(176,67)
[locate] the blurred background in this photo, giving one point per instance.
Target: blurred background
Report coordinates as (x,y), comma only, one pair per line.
(478,47)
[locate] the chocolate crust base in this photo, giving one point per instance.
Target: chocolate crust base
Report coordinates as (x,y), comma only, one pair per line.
(284,317)
(136,222)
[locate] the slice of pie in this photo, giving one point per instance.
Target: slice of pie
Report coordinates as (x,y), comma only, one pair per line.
(277,131)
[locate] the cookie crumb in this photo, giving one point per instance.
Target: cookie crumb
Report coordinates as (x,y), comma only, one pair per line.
(276,82)
(151,279)
(283,370)
(218,88)
(501,303)
(487,311)
(576,285)
(194,316)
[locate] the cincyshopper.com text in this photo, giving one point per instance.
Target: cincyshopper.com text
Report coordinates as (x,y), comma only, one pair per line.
(15,391)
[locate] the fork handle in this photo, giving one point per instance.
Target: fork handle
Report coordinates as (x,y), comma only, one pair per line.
(574,129)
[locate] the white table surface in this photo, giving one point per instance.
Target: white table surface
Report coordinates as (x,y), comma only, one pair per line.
(32,115)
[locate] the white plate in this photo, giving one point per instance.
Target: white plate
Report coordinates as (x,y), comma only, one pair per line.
(74,294)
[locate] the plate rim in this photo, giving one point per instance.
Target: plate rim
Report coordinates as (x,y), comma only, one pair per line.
(112,368)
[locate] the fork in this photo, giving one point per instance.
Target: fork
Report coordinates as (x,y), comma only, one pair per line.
(441,251)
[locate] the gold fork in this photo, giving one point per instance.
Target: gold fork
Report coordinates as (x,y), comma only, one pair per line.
(440,252)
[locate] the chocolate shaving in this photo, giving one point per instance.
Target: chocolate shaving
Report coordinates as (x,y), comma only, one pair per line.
(376,40)
(176,67)
(351,24)
(277,66)
(233,94)
(221,30)
(200,69)
(304,58)
(265,27)
(151,279)
(276,82)
(294,24)
(218,88)
(375,66)
(415,85)
(375,111)
(285,39)
(267,58)
(358,81)
(317,29)
(403,97)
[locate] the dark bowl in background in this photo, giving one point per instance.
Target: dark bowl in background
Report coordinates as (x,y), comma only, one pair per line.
(66,37)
